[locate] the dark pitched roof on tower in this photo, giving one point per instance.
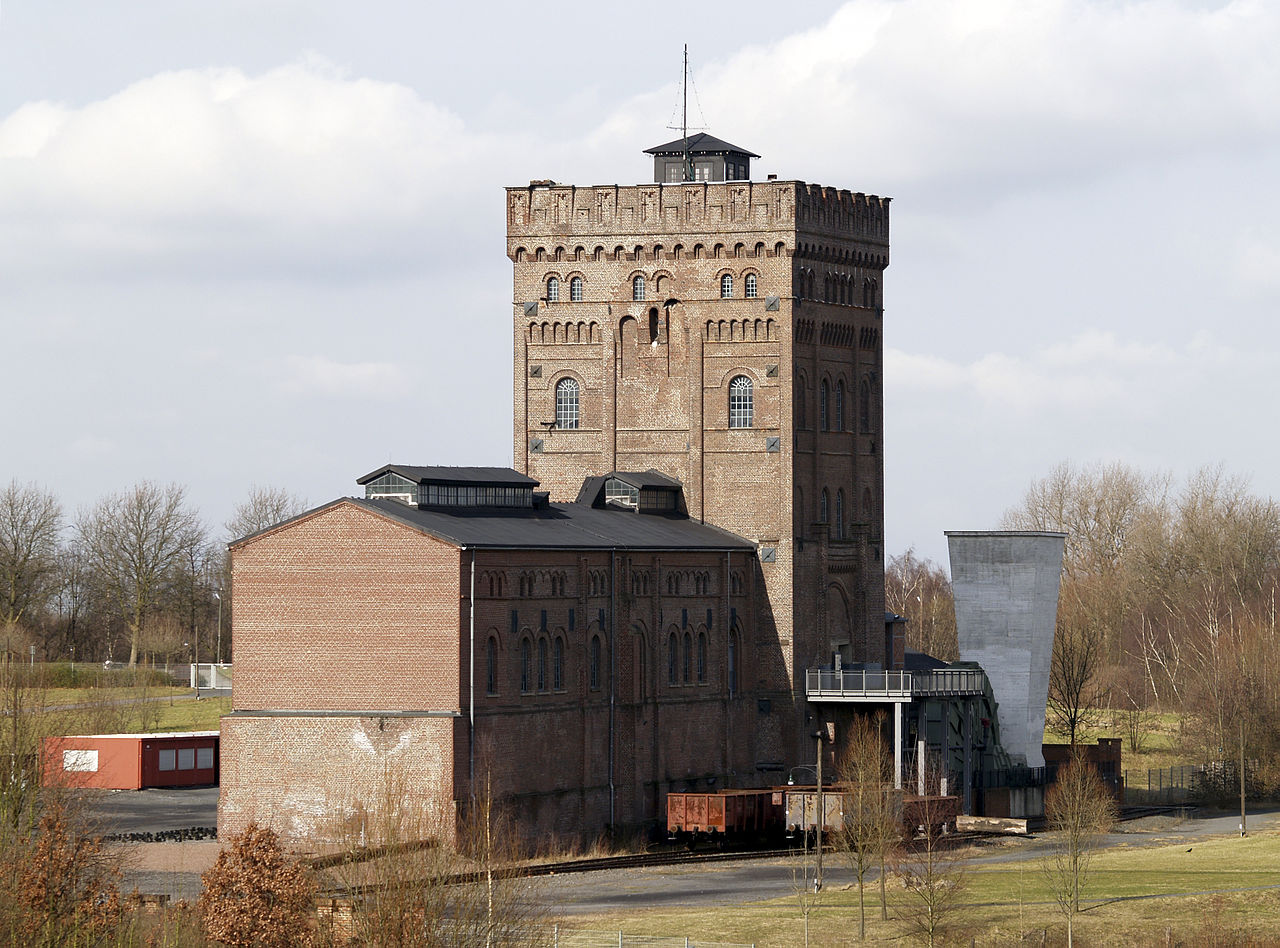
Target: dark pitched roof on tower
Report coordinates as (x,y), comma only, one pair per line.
(453,475)
(699,144)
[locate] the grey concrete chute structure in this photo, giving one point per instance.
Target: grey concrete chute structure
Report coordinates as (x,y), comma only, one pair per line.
(1005,585)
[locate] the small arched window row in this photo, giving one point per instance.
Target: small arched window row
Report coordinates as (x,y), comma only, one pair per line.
(741,330)
(549,332)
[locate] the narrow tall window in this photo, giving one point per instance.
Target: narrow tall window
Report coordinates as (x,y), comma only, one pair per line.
(749,286)
(741,407)
(654,325)
(637,288)
(595,663)
(567,403)
(839,426)
(673,659)
(822,405)
(542,664)
(575,290)
(822,507)
(491,671)
(702,657)
(839,531)
(726,287)
(688,657)
(553,290)
(526,651)
(557,664)
(864,406)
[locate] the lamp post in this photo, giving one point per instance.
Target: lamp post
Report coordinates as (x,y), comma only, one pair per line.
(821,815)
(218,596)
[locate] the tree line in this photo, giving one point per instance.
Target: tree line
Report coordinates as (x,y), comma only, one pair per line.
(137,576)
(1168,601)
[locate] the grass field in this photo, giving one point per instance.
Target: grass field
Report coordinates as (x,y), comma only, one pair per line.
(1164,895)
(123,710)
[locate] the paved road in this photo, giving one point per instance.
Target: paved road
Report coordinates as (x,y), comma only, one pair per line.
(129,811)
(152,811)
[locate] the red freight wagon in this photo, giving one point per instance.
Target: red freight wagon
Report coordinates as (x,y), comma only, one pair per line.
(730,815)
(131,761)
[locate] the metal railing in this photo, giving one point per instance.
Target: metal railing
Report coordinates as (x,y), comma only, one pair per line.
(854,684)
(858,683)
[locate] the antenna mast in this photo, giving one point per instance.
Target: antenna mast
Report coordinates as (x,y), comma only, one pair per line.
(684,115)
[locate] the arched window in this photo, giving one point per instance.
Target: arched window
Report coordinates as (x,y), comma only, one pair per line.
(688,658)
(653,325)
(726,287)
(637,288)
(553,290)
(526,657)
(801,397)
(864,406)
(749,286)
(542,664)
(741,408)
(595,663)
(557,664)
(672,659)
(839,425)
(702,657)
(733,662)
(822,507)
(822,405)
(491,670)
(567,403)
(575,290)
(839,530)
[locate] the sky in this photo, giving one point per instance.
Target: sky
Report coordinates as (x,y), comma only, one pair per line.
(263,243)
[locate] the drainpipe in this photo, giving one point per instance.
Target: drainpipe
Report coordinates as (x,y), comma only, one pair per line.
(613,668)
(471,710)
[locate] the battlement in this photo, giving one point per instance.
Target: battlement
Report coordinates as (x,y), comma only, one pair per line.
(543,209)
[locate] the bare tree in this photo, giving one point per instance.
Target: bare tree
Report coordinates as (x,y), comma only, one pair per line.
(1078,809)
(134,540)
(920,591)
(1076,692)
(932,868)
(30,528)
(264,507)
(869,826)
(420,875)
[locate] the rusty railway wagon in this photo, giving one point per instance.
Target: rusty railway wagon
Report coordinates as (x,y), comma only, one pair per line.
(725,817)
(914,812)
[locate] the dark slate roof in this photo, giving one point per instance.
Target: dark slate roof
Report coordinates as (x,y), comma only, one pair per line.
(503,476)
(649,478)
(699,144)
(919,661)
(891,617)
(558,527)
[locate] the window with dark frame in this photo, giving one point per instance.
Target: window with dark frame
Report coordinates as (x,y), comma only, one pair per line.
(726,287)
(749,286)
(575,290)
(526,658)
(595,663)
(637,288)
(557,665)
(673,659)
(553,290)
(702,657)
(491,670)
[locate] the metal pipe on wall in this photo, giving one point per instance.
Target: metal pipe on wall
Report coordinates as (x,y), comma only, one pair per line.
(471,711)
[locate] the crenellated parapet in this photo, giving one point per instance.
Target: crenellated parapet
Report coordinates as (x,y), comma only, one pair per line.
(758,216)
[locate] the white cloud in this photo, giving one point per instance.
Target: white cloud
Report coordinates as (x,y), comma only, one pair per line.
(319,375)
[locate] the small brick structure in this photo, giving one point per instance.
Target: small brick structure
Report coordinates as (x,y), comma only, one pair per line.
(131,761)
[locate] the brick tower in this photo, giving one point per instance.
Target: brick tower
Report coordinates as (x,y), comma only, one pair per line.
(725,332)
